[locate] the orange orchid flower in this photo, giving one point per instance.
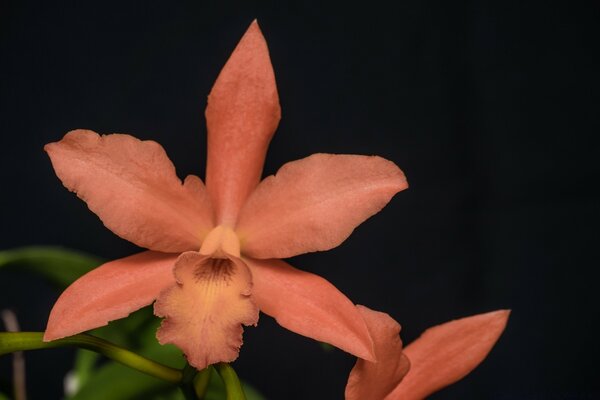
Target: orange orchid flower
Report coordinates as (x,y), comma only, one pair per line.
(213,251)
(443,355)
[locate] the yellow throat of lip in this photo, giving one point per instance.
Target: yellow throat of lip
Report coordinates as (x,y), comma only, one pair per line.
(221,242)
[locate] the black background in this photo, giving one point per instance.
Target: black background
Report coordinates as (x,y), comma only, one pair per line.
(489,107)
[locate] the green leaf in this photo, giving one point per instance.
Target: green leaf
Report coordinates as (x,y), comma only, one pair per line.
(130,332)
(116,382)
(85,365)
(58,265)
(124,332)
(3,397)
(133,384)
(172,395)
(136,332)
(251,393)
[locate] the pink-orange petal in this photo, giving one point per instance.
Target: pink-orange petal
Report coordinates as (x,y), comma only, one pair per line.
(309,305)
(242,115)
(132,186)
(315,203)
(446,353)
(205,310)
(109,292)
(376,380)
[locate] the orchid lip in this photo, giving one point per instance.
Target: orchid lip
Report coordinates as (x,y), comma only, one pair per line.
(221,242)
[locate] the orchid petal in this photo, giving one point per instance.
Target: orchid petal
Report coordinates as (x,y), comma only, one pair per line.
(446,353)
(376,380)
(309,305)
(132,186)
(111,291)
(204,311)
(242,115)
(315,203)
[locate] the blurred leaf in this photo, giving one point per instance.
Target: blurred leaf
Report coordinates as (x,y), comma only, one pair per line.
(117,382)
(149,346)
(131,331)
(328,348)
(251,393)
(58,265)
(138,333)
(174,394)
(85,360)
(85,363)
(128,332)
(4,397)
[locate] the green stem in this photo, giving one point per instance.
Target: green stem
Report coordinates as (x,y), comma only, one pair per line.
(233,387)
(188,392)
(19,341)
(194,383)
(201,381)
(187,382)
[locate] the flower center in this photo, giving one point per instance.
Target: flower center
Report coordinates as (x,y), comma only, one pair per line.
(221,242)
(216,271)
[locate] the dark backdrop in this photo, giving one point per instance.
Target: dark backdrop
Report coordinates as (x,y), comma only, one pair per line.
(490,108)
